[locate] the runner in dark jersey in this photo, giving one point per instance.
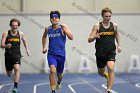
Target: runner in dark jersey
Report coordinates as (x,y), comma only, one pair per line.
(57,34)
(105,33)
(11,40)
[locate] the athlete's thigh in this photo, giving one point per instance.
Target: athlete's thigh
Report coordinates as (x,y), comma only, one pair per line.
(60,64)
(101,62)
(111,57)
(51,60)
(16,60)
(8,63)
(111,60)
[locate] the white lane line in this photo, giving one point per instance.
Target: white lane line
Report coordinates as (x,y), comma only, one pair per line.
(3,85)
(104,86)
(36,85)
(8,84)
(79,83)
(71,88)
(91,85)
(94,87)
(138,85)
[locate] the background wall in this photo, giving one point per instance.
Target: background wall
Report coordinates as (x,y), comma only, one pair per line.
(80,15)
(66,6)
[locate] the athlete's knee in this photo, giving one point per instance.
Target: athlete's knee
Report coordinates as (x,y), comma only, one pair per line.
(110,68)
(60,75)
(52,70)
(16,69)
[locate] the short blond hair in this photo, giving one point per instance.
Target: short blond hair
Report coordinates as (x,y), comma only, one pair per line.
(106,9)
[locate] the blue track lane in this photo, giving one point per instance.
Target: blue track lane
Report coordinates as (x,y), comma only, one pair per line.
(73,83)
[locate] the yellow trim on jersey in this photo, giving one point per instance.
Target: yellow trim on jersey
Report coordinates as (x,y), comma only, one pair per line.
(13,40)
(106,33)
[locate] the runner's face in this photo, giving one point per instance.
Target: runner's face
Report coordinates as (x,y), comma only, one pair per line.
(107,16)
(14,26)
(54,20)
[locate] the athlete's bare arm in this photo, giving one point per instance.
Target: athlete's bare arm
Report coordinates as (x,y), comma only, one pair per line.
(24,40)
(117,36)
(44,41)
(3,39)
(67,31)
(94,33)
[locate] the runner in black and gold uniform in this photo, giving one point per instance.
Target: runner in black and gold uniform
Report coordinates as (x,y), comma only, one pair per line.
(11,42)
(105,33)
(105,45)
(13,54)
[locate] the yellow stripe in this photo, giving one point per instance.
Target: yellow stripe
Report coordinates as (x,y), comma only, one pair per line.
(13,39)
(106,33)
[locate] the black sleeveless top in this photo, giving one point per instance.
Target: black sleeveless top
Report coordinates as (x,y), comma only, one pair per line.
(15,42)
(106,43)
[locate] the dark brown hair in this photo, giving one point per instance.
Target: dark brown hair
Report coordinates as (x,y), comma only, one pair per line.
(55,12)
(14,20)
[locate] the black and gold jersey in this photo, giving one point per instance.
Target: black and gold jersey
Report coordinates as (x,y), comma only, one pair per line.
(15,42)
(106,42)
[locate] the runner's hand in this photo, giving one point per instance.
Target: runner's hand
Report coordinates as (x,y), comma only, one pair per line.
(8,45)
(44,51)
